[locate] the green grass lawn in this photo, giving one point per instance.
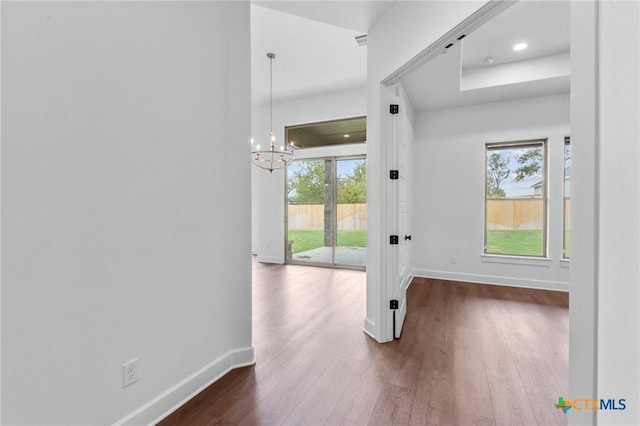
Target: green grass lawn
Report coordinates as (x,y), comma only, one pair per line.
(527,243)
(307,239)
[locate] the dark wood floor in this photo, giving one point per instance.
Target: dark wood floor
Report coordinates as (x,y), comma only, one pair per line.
(469,355)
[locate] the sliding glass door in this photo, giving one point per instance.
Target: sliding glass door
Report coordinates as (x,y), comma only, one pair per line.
(326,212)
(351,212)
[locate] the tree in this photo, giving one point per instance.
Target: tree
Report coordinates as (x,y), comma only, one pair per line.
(497,172)
(307,185)
(530,163)
(352,189)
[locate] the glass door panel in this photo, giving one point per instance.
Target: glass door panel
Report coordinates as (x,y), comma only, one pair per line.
(351,212)
(309,211)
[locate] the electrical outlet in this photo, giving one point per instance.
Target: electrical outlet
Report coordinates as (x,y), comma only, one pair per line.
(454,259)
(130,373)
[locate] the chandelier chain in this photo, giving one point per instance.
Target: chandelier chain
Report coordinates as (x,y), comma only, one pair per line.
(271,91)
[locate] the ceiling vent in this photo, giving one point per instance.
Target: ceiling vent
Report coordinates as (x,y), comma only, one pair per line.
(361,40)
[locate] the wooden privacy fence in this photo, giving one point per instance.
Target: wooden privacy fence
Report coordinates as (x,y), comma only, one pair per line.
(521,213)
(350,216)
(509,213)
(515,213)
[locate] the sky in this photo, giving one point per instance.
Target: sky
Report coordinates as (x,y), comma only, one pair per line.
(510,186)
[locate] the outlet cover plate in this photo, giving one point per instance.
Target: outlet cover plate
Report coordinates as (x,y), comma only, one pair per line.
(130,372)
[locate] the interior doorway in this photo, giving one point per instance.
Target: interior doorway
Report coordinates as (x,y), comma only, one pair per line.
(326,212)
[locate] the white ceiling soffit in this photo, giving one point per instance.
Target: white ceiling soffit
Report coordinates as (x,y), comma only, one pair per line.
(541,69)
(311,57)
(354,15)
(543,25)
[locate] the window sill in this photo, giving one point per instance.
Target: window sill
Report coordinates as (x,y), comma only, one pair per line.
(565,263)
(516,260)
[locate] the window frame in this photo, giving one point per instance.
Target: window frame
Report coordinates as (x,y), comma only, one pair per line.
(334,206)
(544,142)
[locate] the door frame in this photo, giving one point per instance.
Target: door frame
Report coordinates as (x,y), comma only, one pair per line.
(383,291)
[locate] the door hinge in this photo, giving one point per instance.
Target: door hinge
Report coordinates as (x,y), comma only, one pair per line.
(393,304)
(394,108)
(393,239)
(393,174)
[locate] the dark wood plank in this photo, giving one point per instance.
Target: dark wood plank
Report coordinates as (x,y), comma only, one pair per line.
(472,397)
(469,354)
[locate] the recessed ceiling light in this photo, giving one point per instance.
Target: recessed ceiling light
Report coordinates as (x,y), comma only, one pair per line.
(346,136)
(520,46)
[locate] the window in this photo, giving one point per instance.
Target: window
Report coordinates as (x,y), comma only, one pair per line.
(566,248)
(515,198)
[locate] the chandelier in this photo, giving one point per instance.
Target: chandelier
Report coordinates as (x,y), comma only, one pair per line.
(271,159)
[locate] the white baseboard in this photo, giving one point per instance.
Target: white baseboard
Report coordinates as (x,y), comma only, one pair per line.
(176,396)
(401,315)
(413,275)
(407,281)
(270,259)
(370,328)
(494,280)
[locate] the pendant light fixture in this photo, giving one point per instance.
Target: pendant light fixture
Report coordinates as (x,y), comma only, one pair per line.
(271,159)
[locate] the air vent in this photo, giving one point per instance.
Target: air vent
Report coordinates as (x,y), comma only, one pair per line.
(361,40)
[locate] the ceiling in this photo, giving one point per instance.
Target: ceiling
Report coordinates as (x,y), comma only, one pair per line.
(543,25)
(312,57)
(353,15)
(316,52)
(338,132)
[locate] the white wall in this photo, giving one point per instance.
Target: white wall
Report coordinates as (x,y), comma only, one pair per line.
(268,194)
(619,211)
(124,125)
(401,34)
(583,317)
(605,297)
(449,195)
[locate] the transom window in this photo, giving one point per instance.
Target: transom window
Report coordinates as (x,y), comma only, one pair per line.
(515,198)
